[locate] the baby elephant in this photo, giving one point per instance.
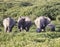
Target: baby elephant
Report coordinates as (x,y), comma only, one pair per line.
(51,27)
(24,23)
(8,24)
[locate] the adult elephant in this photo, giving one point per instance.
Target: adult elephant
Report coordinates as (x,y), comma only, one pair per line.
(41,22)
(8,24)
(24,23)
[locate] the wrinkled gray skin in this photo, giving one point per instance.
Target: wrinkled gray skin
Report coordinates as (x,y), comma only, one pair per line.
(41,22)
(51,26)
(8,24)
(24,23)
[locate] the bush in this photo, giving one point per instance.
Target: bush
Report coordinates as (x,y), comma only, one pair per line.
(58,18)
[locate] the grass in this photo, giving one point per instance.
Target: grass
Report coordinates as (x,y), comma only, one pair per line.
(29,39)
(33,9)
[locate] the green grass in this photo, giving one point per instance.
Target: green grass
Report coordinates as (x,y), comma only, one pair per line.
(30,39)
(16,8)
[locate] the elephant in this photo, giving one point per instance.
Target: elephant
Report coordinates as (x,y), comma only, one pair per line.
(24,22)
(8,24)
(51,27)
(41,22)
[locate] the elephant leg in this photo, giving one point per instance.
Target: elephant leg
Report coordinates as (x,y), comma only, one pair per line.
(9,29)
(5,29)
(19,27)
(27,29)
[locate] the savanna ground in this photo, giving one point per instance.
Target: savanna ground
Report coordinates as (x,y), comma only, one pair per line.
(33,9)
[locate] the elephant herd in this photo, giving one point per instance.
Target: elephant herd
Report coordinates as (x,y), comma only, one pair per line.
(24,23)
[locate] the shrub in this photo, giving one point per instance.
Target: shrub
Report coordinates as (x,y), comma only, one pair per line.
(58,18)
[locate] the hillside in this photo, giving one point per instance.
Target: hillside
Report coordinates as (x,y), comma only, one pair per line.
(16,8)
(33,9)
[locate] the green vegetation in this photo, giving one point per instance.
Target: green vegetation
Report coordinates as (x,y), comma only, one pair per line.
(28,39)
(33,9)
(16,8)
